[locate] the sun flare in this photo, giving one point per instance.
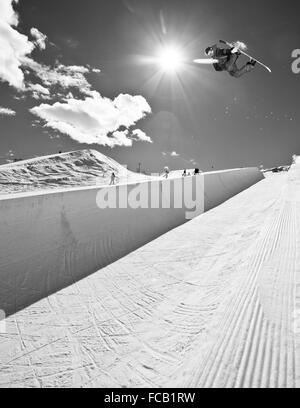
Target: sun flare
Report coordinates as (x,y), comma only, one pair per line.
(170,59)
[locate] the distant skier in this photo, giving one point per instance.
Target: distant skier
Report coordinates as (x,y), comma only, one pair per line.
(184,173)
(112,178)
(197,171)
(227,59)
(166,172)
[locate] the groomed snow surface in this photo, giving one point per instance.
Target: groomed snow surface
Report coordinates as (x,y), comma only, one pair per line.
(212,303)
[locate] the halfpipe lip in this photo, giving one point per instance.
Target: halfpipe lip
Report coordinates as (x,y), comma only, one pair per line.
(43,192)
(11,196)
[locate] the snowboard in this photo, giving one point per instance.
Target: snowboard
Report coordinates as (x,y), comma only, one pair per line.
(247,55)
(206,61)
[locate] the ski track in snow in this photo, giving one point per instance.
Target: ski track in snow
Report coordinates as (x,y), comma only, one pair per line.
(209,304)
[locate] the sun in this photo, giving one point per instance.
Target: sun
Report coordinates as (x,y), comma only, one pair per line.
(170,59)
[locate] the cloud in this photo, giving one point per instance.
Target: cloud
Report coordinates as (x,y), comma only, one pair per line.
(38,91)
(69,96)
(13,46)
(15,50)
(130,108)
(72,69)
(61,75)
(140,135)
(95,119)
(7,111)
(171,154)
(92,119)
(39,88)
(120,138)
(40,38)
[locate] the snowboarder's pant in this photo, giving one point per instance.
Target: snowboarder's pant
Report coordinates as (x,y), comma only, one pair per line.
(233,69)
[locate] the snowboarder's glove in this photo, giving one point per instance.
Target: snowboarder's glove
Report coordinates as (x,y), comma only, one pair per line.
(235,50)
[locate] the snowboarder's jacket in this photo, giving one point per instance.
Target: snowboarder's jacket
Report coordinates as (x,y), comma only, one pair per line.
(222,55)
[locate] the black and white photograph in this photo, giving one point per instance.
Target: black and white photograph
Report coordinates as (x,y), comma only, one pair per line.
(149,196)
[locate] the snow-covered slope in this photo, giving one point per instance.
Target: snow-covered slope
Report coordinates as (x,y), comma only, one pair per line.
(213,303)
(78,168)
(50,239)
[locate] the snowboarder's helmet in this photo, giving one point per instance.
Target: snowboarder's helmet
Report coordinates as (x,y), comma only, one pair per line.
(207,50)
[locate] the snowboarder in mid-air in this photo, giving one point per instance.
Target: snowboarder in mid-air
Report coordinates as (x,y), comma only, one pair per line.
(227,60)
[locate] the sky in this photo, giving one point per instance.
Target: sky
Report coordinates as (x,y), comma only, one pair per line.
(77,75)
